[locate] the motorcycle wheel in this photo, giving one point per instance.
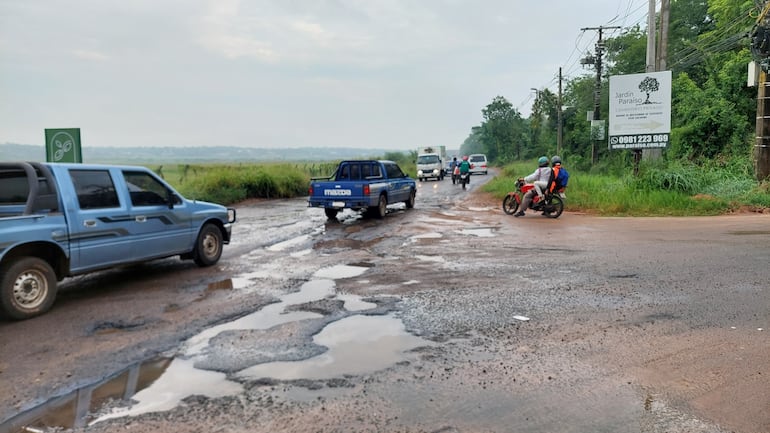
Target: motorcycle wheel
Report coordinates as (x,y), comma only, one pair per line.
(464,181)
(510,205)
(554,208)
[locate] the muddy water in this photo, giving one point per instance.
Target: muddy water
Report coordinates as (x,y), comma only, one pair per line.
(354,345)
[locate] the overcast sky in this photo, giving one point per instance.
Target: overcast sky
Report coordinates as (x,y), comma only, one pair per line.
(385,74)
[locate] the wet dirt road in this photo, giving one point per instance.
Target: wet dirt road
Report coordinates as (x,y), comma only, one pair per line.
(451,317)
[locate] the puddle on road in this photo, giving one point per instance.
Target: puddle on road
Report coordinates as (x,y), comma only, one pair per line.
(356,344)
(72,410)
(482,232)
(436,259)
(340,271)
(290,243)
(432,235)
(269,316)
(179,381)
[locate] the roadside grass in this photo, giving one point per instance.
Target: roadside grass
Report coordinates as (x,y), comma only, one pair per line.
(675,189)
(660,189)
(232,183)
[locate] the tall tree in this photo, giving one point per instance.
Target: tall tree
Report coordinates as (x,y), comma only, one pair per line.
(626,54)
(542,122)
(502,130)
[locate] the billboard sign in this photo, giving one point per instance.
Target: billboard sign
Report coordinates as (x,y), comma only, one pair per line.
(63,145)
(640,110)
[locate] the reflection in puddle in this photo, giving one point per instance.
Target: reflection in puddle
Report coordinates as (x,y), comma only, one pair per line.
(357,345)
(72,410)
(230,283)
(340,271)
(268,316)
(437,259)
(179,381)
(480,232)
(432,235)
(290,243)
(355,303)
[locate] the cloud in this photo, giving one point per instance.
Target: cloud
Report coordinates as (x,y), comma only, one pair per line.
(90,55)
(367,73)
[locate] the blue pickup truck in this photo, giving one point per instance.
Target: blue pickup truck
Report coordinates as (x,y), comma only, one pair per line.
(60,220)
(362,185)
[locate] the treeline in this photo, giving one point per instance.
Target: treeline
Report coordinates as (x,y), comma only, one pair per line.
(713,111)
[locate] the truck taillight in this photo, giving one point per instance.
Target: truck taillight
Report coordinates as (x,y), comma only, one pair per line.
(366,190)
(310,191)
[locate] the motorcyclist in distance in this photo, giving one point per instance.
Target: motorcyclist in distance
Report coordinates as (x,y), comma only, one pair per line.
(541,177)
(465,166)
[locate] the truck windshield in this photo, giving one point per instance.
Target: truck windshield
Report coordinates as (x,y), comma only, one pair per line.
(427,159)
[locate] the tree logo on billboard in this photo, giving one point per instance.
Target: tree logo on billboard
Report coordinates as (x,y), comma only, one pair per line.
(649,85)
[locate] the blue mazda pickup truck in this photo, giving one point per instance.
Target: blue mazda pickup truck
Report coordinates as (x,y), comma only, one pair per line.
(362,185)
(61,220)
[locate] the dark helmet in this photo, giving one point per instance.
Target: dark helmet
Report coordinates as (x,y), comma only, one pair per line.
(543,161)
(555,160)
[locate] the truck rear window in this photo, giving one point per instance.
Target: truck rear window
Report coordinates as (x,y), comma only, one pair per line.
(14,189)
(358,171)
(14,186)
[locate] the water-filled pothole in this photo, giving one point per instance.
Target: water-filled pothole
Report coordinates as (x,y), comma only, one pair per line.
(350,344)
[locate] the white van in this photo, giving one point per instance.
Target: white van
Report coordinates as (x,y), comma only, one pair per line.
(478,163)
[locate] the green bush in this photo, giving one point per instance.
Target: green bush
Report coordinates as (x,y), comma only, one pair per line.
(231,184)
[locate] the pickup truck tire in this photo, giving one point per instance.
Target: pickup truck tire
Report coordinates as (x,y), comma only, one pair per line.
(410,201)
(330,213)
(208,246)
(28,287)
(382,207)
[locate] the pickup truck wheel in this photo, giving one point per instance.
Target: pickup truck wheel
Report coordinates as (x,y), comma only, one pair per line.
(28,288)
(410,202)
(330,213)
(208,247)
(382,206)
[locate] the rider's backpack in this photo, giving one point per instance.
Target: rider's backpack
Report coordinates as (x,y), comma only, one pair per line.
(562,178)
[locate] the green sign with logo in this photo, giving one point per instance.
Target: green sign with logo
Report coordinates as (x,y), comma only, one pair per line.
(63,145)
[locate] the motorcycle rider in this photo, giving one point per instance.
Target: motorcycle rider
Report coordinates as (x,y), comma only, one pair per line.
(452,166)
(541,178)
(465,167)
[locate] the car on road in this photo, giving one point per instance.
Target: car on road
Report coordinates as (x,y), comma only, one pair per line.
(478,163)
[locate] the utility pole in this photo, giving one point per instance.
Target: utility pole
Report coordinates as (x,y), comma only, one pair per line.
(760,50)
(559,130)
(650,63)
(657,58)
(597,62)
(662,51)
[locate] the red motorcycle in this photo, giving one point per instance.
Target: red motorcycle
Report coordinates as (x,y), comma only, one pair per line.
(551,205)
